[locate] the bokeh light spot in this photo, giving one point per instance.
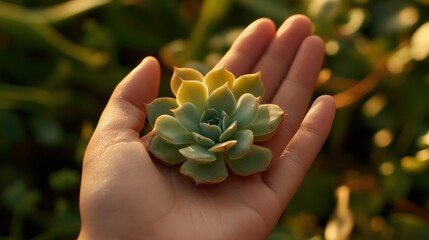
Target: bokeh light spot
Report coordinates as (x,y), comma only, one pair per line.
(332,47)
(374,105)
(383,138)
(387,168)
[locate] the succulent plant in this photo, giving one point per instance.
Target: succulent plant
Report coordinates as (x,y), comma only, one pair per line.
(213,123)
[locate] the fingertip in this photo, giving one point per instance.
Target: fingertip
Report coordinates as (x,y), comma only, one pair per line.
(267,22)
(316,40)
(322,110)
(249,46)
(300,152)
(262,26)
(316,43)
(150,60)
(146,78)
(327,100)
(311,52)
(300,21)
(301,17)
(147,69)
(126,106)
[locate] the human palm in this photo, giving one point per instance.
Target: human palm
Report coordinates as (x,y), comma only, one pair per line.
(127,195)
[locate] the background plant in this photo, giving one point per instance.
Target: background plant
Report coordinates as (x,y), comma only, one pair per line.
(59,61)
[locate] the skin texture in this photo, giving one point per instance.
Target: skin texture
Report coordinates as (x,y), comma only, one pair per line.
(127,195)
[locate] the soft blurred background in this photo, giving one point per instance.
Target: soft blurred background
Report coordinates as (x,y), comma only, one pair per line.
(60,60)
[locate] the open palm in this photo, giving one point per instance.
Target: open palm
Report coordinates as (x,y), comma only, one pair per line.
(127,195)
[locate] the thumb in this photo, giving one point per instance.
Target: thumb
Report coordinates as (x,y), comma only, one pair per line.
(125,109)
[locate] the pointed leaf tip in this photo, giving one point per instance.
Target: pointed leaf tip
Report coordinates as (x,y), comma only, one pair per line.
(188,117)
(249,83)
(247,109)
(217,78)
(160,106)
(268,119)
(222,99)
(194,92)
(181,74)
(222,147)
(170,130)
(198,154)
(244,144)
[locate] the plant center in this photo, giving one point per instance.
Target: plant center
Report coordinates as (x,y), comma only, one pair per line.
(214,121)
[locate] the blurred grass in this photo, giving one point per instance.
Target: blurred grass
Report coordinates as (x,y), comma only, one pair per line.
(60,60)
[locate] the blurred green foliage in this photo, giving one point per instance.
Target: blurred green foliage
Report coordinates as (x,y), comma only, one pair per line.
(60,60)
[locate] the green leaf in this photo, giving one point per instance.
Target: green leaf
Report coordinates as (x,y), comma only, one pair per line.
(188,117)
(198,154)
(217,78)
(244,144)
(255,161)
(170,130)
(249,83)
(268,118)
(64,179)
(209,173)
(202,140)
(228,132)
(19,199)
(226,121)
(209,114)
(47,130)
(194,92)
(158,107)
(222,99)
(165,152)
(30,26)
(222,147)
(66,11)
(246,112)
(181,74)
(211,131)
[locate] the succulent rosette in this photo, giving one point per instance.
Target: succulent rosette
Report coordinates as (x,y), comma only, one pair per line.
(212,125)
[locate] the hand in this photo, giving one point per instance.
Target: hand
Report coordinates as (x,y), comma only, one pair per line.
(127,195)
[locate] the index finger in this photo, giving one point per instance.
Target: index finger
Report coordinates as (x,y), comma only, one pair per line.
(248,48)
